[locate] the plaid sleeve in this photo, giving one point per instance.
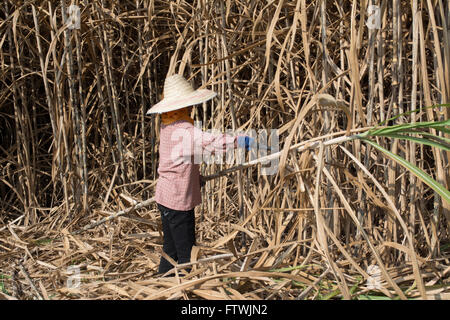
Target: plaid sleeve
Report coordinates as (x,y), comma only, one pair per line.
(212,143)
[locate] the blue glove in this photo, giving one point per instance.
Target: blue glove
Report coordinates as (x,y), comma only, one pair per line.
(246,142)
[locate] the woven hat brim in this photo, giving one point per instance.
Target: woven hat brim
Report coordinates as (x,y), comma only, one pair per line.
(196,97)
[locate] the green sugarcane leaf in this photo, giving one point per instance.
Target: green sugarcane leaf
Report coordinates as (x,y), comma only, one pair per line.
(373,297)
(443,129)
(428,134)
(436,186)
(439,139)
(443,145)
(438,125)
(444,105)
(435,124)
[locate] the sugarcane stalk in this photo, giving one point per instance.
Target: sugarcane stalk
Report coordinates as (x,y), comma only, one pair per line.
(111,89)
(233,112)
(73,101)
(82,121)
(18,123)
(60,136)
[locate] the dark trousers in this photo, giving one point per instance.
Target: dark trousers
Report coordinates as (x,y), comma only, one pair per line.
(179,236)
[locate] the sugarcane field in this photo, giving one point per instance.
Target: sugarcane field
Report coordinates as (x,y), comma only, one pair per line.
(224,150)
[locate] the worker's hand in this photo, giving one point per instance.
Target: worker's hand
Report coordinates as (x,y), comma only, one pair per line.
(202,181)
(246,142)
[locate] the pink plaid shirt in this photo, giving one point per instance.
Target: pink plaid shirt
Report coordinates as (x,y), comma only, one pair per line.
(180,148)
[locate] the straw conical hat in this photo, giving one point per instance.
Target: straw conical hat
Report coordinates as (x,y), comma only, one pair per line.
(178,94)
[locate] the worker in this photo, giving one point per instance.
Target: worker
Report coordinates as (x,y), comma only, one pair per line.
(178,187)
